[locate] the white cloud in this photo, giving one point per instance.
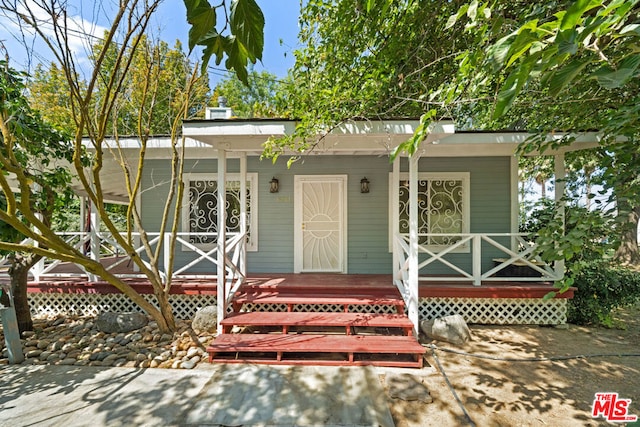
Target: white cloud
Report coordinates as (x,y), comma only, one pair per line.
(26,48)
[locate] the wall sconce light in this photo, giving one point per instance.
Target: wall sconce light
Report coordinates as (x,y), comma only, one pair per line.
(364,185)
(274,185)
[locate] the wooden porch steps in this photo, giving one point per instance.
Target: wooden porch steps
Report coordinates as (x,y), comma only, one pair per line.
(317,319)
(317,349)
(315,336)
(290,299)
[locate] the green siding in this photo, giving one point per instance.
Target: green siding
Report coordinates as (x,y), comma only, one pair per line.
(490,201)
(368,214)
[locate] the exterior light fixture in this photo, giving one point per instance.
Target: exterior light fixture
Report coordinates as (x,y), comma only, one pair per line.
(274,185)
(364,185)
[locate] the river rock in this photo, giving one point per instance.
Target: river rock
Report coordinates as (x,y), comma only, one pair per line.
(111,322)
(452,329)
(188,364)
(205,319)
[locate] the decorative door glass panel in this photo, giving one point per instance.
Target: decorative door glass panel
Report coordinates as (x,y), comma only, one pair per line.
(441,209)
(202,219)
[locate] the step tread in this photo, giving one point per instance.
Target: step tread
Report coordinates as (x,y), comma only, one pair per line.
(315,343)
(319,298)
(257,318)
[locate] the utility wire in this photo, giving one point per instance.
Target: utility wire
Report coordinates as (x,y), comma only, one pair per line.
(453,390)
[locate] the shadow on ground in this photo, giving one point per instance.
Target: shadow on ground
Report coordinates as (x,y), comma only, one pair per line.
(222,395)
(536,393)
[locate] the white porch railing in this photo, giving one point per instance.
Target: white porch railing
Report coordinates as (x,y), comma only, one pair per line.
(466,258)
(234,259)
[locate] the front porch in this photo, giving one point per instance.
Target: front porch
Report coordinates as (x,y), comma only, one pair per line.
(329,319)
(504,302)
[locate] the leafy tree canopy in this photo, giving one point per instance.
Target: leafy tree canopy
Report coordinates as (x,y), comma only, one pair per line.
(261,98)
(543,67)
(578,68)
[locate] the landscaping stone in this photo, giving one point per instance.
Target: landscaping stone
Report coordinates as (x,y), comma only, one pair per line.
(110,322)
(78,341)
(452,329)
(188,364)
(205,319)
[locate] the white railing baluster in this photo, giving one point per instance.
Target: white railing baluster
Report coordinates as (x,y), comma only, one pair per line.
(468,250)
(233,261)
(477,260)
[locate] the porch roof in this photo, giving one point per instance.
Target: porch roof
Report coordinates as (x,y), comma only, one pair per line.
(365,137)
(371,137)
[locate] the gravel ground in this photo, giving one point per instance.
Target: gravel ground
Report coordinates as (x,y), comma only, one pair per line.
(77,341)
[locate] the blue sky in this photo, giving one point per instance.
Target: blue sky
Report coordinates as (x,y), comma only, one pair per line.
(281,31)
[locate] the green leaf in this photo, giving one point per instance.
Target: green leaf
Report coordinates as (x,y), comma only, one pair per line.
(559,79)
(512,87)
(237,57)
(575,11)
(566,42)
(498,53)
(610,78)
(202,18)
(631,28)
(370,4)
(526,36)
(247,25)
(422,131)
(454,18)
(215,45)
(472,12)
(451,22)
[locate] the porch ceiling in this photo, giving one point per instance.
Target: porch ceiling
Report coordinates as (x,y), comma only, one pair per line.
(371,137)
(205,137)
(365,137)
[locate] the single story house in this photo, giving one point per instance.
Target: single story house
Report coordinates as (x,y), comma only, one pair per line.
(442,225)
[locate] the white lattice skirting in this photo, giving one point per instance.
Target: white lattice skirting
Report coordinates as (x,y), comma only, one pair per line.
(498,311)
(504,311)
(184,306)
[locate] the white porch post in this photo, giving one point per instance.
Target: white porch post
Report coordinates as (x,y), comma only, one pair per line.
(37,269)
(559,172)
(395,212)
(83,215)
(94,236)
(243,210)
(515,201)
(413,313)
(222,235)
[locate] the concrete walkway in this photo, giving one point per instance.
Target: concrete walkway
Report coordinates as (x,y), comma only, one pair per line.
(219,395)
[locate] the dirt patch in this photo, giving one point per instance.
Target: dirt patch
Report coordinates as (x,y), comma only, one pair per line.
(536,392)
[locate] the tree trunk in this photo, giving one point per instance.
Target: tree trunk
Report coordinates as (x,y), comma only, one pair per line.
(166,310)
(19,275)
(163,316)
(628,252)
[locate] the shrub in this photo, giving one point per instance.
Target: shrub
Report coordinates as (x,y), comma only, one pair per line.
(601,288)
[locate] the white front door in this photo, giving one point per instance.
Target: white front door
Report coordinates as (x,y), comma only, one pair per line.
(320,236)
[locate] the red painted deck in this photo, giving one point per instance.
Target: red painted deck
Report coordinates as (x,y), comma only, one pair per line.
(361,339)
(339,283)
